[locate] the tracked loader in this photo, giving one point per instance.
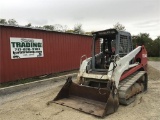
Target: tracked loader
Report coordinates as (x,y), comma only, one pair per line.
(111,77)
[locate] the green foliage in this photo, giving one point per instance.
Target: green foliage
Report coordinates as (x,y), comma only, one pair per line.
(38,27)
(88,33)
(48,27)
(28,25)
(119,26)
(3,21)
(156,47)
(12,22)
(58,27)
(69,31)
(154,58)
(152,46)
(78,29)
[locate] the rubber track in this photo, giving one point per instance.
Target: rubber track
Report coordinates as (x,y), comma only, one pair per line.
(126,84)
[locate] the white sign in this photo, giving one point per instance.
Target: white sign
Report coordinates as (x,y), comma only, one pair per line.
(26,48)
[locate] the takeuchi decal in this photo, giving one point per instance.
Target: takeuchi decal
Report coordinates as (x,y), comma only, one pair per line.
(26,48)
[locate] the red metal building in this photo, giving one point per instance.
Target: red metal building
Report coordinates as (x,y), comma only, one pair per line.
(62,52)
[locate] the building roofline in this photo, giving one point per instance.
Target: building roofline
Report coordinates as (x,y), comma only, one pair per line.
(33,28)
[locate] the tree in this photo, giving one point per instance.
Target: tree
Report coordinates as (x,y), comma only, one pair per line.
(119,26)
(28,25)
(69,31)
(88,33)
(65,28)
(12,22)
(156,47)
(60,28)
(3,21)
(48,27)
(39,27)
(144,39)
(78,29)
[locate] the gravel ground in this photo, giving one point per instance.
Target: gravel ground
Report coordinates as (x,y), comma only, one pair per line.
(155,64)
(31,105)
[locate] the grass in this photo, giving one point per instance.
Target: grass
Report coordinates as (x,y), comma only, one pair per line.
(37,78)
(154,58)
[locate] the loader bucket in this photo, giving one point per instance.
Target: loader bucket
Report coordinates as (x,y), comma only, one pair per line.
(98,102)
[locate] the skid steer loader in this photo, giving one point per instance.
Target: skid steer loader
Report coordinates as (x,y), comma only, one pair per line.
(111,77)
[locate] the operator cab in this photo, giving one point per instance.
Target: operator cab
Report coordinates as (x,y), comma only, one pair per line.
(113,42)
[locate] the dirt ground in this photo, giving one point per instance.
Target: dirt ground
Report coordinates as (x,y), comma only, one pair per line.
(33,106)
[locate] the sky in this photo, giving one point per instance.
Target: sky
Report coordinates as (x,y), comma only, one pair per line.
(138,16)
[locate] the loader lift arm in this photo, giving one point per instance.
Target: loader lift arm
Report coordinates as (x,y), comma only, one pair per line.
(123,64)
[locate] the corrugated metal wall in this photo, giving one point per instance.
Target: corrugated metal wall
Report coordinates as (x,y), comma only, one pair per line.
(62,52)
(97,44)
